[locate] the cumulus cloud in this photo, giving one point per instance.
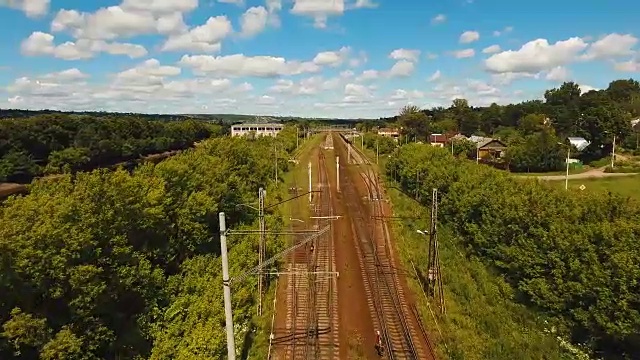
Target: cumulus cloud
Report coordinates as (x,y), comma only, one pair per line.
(506,30)
(402,68)
(558,74)
(368,75)
(491,49)
(254,21)
(632,65)
(465,53)
(206,38)
(435,76)
(39,43)
(319,10)
(438,19)
(405,54)
(469,37)
(241,65)
(536,55)
(332,58)
(611,46)
(33,8)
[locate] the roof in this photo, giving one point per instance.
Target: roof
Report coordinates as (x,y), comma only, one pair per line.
(489,143)
(258,125)
(439,138)
(579,143)
(635,122)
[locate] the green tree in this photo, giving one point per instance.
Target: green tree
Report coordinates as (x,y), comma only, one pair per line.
(414,122)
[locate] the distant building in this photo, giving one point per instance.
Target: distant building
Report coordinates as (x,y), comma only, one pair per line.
(489,148)
(256,129)
(389,132)
(440,140)
(579,143)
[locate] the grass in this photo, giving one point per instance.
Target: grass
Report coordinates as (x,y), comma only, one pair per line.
(572,171)
(483,320)
(625,185)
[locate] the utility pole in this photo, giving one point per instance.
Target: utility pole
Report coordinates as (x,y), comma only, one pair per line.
(566,177)
(261,246)
(231,343)
(275,151)
(297,136)
(349,154)
(362,141)
(613,151)
(377,151)
(310,185)
(433,265)
(338,173)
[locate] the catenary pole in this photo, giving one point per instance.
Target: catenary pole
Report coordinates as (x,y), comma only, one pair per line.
(231,343)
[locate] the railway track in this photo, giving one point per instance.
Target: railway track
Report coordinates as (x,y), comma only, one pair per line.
(312,320)
(387,304)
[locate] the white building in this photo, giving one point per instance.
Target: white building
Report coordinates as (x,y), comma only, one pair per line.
(257,129)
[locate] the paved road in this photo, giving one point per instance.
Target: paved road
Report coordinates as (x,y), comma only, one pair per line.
(591,174)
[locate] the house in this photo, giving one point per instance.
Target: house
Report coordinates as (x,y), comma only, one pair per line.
(438,140)
(579,143)
(488,148)
(389,132)
(256,129)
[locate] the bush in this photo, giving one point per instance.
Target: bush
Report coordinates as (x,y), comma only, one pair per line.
(573,256)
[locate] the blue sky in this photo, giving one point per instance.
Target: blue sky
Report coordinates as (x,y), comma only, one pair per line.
(319,58)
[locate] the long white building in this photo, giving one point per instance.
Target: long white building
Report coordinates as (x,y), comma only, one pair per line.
(257,129)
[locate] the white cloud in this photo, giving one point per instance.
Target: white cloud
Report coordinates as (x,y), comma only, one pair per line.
(508,77)
(402,68)
(465,53)
(491,49)
(161,6)
(438,19)
(365,4)
(33,8)
(435,76)
(319,10)
(632,65)
(39,43)
(254,20)
(405,54)
(535,56)
(308,86)
(240,65)
(469,37)
(610,46)
(66,75)
(506,30)
(431,56)
(205,38)
(401,94)
(481,88)
(332,58)
(235,2)
(368,75)
(105,24)
(558,74)
(586,88)
(15,99)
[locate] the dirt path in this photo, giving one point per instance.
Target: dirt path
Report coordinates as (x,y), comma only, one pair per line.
(595,173)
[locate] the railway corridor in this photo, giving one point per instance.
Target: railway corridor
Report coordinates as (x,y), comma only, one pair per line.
(392,315)
(316,323)
(311,326)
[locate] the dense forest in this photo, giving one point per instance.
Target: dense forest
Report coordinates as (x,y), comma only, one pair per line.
(536,130)
(119,265)
(58,143)
(572,256)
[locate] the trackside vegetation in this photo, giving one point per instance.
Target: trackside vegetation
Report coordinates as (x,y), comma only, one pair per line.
(572,258)
(120,265)
(59,143)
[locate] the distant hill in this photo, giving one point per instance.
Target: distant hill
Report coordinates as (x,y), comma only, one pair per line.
(218,118)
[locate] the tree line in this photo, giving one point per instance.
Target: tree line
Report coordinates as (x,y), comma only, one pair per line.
(572,256)
(536,130)
(113,264)
(51,144)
